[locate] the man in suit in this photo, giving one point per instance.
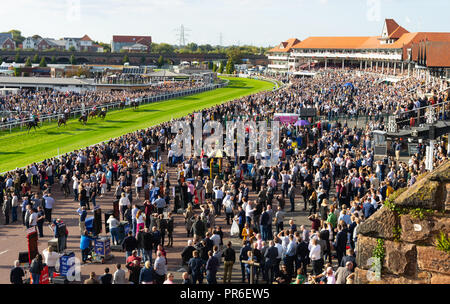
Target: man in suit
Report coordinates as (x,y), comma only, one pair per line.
(196,267)
(302,254)
(270,257)
(243,256)
(341,242)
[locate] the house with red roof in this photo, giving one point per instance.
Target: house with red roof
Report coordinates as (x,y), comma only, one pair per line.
(135,43)
(84,44)
(6,41)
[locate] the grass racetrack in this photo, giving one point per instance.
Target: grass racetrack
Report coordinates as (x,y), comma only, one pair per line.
(19,148)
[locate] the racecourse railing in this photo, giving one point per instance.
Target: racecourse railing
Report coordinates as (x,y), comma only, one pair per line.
(142,100)
(427,114)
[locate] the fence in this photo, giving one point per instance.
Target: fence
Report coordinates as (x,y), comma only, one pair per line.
(142,100)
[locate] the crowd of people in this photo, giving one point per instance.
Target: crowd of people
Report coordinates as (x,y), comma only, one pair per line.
(327,166)
(21,105)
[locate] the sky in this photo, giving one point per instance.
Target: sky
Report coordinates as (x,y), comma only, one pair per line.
(256,22)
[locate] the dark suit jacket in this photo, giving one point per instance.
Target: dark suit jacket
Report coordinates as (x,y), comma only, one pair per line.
(341,241)
(271,255)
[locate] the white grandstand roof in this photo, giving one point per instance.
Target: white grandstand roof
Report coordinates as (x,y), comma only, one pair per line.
(5,81)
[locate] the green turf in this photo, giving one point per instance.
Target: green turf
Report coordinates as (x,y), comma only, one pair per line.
(18,149)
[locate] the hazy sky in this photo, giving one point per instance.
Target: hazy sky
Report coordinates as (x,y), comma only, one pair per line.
(257,22)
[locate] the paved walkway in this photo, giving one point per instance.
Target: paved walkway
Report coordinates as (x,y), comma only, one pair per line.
(13,238)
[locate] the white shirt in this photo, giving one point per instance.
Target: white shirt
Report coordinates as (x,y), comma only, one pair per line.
(33,219)
(280,250)
(49,201)
(140,219)
(160,265)
(314,253)
(113,223)
(216,239)
(124,201)
(15,201)
(249,210)
(138,182)
(50,258)
(75,182)
(119,277)
(228,204)
(218,193)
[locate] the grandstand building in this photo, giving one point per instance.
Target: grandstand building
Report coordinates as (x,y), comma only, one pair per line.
(396,51)
(280,59)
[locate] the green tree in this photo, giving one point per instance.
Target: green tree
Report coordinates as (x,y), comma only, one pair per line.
(72,60)
(220,71)
(72,49)
(192,46)
(210,65)
(160,61)
(28,62)
(125,59)
(214,68)
(36,59)
(143,60)
(53,60)
(17,58)
(163,49)
(235,54)
(230,66)
(43,63)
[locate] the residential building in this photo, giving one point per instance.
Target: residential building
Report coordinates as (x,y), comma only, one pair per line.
(6,41)
(30,43)
(84,43)
(134,42)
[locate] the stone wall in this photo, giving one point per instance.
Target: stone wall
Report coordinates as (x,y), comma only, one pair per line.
(411,257)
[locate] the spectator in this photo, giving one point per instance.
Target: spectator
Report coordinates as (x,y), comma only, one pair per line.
(92,279)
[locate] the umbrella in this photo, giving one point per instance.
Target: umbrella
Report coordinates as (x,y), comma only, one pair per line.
(348,84)
(301,123)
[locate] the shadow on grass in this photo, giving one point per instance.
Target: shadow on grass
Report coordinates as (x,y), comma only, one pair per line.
(119,121)
(107,127)
(11,153)
(147,110)
(85,129)
(57,133)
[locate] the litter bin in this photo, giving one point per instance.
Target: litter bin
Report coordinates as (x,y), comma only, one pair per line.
(103,247)
(124,227)
(116,208)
